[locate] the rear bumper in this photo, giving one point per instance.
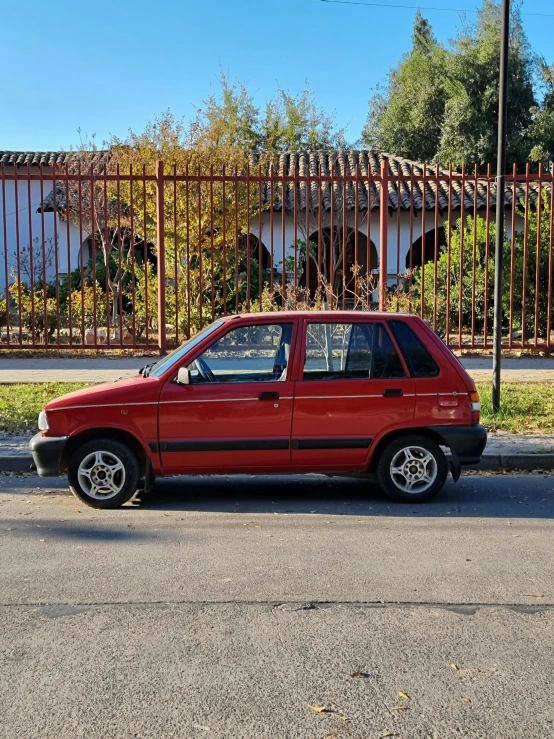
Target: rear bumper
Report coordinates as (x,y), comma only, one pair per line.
(47,454)
(467,443)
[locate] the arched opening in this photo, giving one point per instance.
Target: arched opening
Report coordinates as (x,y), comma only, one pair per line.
(342,257)
(415,258)
(258,250)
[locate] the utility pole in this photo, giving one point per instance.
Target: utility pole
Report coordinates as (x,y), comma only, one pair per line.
(500,203)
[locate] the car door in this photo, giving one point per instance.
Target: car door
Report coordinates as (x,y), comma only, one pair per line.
(236,413)
(352,386)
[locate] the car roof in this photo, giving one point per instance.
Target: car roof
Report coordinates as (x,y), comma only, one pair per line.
(339,314)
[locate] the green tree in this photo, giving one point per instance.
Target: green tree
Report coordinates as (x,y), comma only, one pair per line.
(542,128)
(405,119)
(469,126)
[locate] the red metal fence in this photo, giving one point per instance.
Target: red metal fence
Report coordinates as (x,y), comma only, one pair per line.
(141,259)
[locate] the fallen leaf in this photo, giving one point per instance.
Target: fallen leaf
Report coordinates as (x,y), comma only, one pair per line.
(534,595)
(402,694)
(354,674)
(77,510)
(398,708)
(454,667)
(317,709)
(465,700)
(389,733)
(42,539)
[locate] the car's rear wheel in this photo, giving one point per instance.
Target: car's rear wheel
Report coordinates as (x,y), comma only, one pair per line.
(412,469)
(104,473)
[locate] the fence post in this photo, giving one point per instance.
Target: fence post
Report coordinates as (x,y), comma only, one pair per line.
(383,235)
(160,244)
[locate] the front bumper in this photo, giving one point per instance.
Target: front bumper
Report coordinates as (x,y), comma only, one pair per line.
(47,454)
(466,443)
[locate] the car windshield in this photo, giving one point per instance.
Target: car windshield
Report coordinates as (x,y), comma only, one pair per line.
(165,363)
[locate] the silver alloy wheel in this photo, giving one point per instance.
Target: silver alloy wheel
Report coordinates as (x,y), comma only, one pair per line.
(413,469)
(101,475)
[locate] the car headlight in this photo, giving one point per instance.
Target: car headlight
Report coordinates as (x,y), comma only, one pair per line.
(43,421)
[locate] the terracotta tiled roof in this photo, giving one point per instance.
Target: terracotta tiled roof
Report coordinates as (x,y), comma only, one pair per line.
(368,166)
(46,158)
(410,193)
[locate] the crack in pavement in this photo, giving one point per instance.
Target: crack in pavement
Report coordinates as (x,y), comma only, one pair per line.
(463,609)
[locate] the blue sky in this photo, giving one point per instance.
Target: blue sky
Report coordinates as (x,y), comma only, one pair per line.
(107,66)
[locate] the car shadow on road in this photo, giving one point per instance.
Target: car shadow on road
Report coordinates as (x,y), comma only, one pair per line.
(495,496)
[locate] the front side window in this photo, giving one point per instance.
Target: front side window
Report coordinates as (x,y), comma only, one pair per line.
(350,351)
(257,353)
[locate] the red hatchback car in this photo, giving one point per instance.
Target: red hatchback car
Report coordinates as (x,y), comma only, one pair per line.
(329,392)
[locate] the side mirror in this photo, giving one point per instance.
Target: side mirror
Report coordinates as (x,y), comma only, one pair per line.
(183,376)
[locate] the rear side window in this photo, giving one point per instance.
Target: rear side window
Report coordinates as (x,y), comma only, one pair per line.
(350,351)
(417,357)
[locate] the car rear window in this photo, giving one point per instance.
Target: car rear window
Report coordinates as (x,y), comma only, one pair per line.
(418,358)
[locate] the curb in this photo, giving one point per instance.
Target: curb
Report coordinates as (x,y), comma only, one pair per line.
(489,462)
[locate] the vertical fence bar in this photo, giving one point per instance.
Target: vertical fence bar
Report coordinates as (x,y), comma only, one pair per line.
(308,242)
(283,234)
(6,265)
(176,274)
(187,215)
(56,253)
(462,244)
(212,256)
(356,229)
(449,256)
(107,248)
(538,259)
(423,239)
(344,230)
(550,259)
(436,249)
(160,238)
(236,240)
(248,246)
(475,216)
(93,256)
(272,240)
(513,255)
(411,250)
(332,240)
(18,254)
(369,213)
(200,251)
(145,253)
(68,234)
(487,257)
(383,240)
(260,255)
(320,267)
(119,258)
(295,228)
(31,257)
(224,212)
(398,234)
(44,259)
(525,260)
(132,247)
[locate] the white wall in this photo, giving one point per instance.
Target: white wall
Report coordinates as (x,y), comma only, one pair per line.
(68,244)
(399,240)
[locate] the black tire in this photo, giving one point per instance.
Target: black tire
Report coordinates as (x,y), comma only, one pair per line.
(392,483)
(126,478)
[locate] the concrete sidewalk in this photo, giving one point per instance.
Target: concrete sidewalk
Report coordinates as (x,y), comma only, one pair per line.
(504,451)
(107,369)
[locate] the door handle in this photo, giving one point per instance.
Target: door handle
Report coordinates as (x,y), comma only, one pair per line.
(393,392)
(268,396)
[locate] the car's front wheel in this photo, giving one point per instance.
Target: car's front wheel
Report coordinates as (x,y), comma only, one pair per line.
(412,469)
(104,473)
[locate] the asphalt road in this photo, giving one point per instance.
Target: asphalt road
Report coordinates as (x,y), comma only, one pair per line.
(226,607)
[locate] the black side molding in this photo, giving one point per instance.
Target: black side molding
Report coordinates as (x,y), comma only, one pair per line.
(348,443)
(224,445)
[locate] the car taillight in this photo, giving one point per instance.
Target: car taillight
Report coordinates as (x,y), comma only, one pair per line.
(475,405)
